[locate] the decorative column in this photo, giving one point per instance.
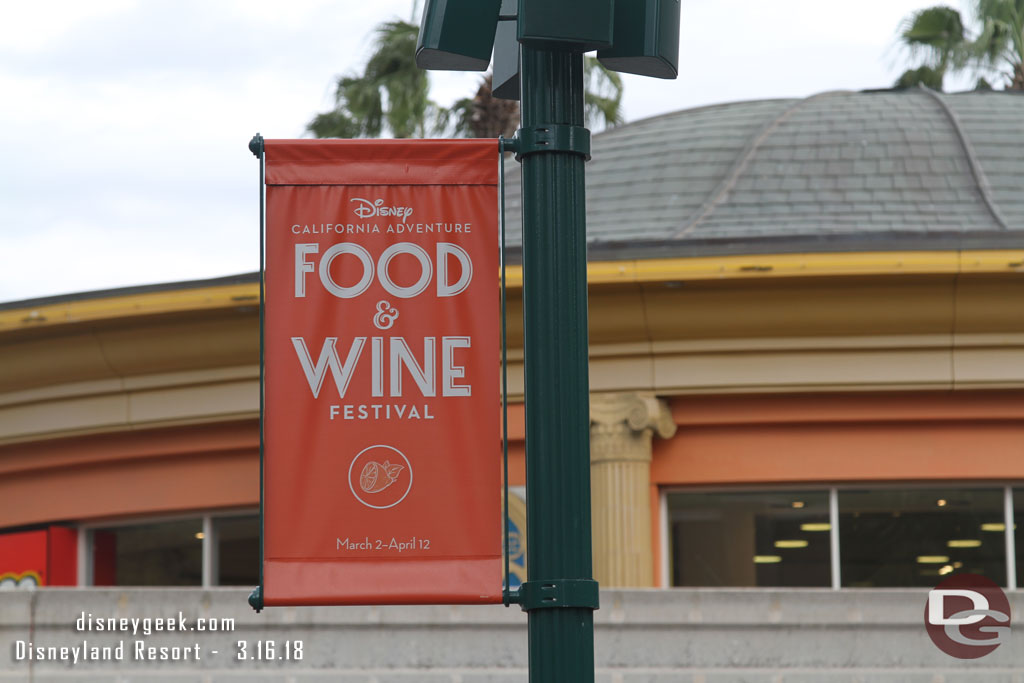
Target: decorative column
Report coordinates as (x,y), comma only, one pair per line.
(622,428)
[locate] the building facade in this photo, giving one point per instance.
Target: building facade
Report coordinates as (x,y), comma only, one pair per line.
(806,373)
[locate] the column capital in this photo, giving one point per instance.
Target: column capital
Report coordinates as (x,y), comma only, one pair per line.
(636,410)
(622,428)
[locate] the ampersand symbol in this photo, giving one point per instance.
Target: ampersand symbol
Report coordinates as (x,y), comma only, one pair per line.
(386,315)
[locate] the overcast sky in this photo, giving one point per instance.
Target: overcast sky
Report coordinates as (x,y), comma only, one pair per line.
(124,123)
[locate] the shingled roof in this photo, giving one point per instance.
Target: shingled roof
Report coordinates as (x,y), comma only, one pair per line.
(838,171)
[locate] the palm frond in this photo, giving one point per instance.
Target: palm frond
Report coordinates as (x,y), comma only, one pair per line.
(937,35)
(1001,40)
(924,75)
(602,95)
(392,96)
(334,124)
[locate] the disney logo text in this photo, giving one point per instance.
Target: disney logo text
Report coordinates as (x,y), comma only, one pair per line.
(368,209)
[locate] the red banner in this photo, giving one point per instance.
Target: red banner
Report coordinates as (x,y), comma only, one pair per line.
(381,433)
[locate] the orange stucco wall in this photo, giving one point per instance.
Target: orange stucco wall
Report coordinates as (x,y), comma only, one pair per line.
(130,473)
(722,441)
(727,441)
(843,438)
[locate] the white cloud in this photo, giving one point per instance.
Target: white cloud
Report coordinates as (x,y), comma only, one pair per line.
(125,123)
(30,27)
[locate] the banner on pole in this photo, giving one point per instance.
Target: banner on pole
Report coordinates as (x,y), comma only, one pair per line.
(381,398)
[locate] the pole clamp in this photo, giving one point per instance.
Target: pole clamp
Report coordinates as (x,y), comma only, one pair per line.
(552,137)
(558,593)
(256,146)
(256,599)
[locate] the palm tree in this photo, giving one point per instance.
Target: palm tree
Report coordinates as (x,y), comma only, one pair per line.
(486,116)
(938,34)
(392,95)
(1001,41)
(602,95)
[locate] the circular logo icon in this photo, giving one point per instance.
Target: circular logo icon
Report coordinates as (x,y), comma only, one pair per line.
(967,616)
(380,476)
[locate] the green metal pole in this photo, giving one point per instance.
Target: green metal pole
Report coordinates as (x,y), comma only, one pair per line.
(561,638)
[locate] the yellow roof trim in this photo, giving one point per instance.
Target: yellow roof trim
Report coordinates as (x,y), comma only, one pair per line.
(598,273)
(796,265)
(149,303)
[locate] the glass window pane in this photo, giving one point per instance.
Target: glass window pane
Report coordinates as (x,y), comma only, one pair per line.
(238,550)
(916,537)
(749,539)
(159,554)
(1018,537)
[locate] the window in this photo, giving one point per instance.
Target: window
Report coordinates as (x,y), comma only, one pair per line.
(914,537)
(861,537)
(160,554)
(238,550)
(750,539)
(1018,513)
(220,550)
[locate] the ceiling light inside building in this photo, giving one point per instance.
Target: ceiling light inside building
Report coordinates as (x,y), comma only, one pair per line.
(792,543)
(964,543)
(941,502)
(798,504)
(993,526)
(767,559)
(932,559)
(816,526)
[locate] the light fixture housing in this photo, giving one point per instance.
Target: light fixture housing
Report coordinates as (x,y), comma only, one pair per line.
(457,35)
(505,74)
(576,25)
(646,39)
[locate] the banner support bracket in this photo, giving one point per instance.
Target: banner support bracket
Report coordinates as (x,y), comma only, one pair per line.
(551,593)
(552,137)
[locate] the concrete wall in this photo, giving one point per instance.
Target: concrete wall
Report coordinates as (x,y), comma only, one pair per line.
(642,636)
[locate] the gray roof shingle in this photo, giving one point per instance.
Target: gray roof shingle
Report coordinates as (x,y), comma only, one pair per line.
(838,170)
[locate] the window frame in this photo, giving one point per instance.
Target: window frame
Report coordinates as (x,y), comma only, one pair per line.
(835,551)
(209,558)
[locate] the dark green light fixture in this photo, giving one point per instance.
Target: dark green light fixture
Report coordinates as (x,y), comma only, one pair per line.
(646,38)
(505,73)
(539,52)
(457,35)
(574,25)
